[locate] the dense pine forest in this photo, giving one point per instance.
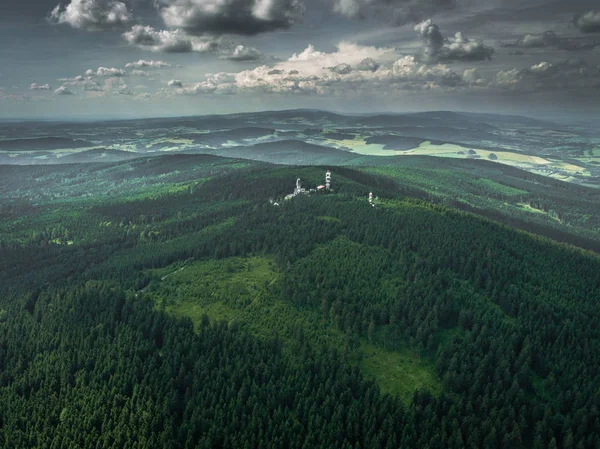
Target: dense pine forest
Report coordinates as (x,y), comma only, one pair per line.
(187,305)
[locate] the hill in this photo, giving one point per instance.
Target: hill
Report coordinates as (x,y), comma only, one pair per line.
(564,151)
(287,152)
(175,305)
(42,144)
(97,155)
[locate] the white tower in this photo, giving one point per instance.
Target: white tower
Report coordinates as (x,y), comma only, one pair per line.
(371,199)
(328,180)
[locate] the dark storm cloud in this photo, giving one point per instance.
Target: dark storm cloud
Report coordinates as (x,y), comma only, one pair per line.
(169,41)
(399,12)
(242,17)
(551,39)
(460,48)
(90,15)
(588,22)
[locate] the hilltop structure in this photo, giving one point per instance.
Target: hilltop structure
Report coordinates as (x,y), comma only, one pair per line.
(299,190)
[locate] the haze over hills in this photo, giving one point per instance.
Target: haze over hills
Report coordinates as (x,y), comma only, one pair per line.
(566,152)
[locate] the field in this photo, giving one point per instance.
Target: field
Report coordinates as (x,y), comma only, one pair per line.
(563,151)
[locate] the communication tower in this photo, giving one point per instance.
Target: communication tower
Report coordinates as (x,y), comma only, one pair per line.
(299,188)
(328,180)
(371,199)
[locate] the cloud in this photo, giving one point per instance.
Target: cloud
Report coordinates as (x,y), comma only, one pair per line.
(341,69)
(568,74)
(313,72)
(243,53)
(112,72)
(139,73)
(143,64)
(588,22)
(367,65)
(460,48)
(35,86)
(62,90)
(91,15)
(86,83)
(307,54)
(242,17)
(92,86)
(474,78)
(116,85)
(169,41)
(551,39)
(175,83)
(124,90)
(399,12)
(69,80)
(547,39)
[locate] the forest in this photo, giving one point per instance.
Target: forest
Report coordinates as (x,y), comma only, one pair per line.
(168,302)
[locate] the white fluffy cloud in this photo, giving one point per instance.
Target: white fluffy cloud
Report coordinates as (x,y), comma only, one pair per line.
(112,72)
(62,90)
(35,86)
(169,41)
(460,48)
(313,72)
(216,17)
(143,64)
(175,83)
(91,14)
(588,22)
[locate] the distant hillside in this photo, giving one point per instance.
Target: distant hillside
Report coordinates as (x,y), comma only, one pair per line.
(561,151)
(98,155)
(42,144)
(288,152)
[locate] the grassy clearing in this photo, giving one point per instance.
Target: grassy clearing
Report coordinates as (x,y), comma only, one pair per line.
(399,372)
(448,150)
(239,291)
(529,208)
(494,186)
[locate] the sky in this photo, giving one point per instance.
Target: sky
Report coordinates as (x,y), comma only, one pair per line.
(89,59)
